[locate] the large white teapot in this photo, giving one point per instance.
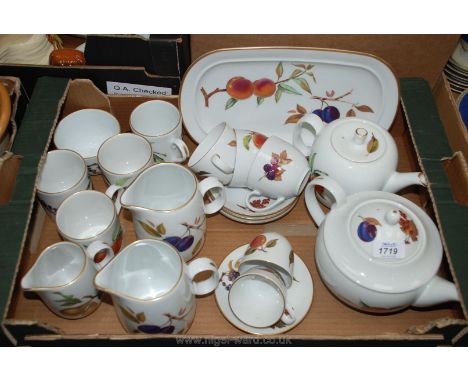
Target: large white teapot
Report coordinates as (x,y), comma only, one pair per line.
(358,154)
(378,251)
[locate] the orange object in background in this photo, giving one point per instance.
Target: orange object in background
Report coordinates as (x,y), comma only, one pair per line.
(66,57)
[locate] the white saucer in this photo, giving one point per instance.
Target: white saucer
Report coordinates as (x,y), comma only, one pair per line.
(234,207)
(299,294)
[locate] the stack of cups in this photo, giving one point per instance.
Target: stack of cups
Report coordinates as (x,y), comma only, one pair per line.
(270,167)
(259,296)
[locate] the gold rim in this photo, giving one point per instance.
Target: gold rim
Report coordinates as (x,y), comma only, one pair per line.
(43,253)
(85,173)
(111,224)
(179,120)
(261,216)
(285,48)
(124,295)
(130,173)
(163,210)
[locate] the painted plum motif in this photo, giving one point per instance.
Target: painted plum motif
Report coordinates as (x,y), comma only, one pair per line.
(274,170)
(183,242)
(367,229)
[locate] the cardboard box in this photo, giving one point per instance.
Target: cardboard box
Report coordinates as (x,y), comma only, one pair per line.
(409,55)
(26,320)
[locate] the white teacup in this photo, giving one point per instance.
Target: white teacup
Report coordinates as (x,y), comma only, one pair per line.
(279,172)
(258,298)
(270,250)
(90,219)
(63,277)
(122,158)
(160,123)
(248,143)
(64,172)
(84,131)
(216,154)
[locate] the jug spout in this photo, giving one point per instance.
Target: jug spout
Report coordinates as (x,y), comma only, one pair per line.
(103,279)
(401,180)
(437,291)
(28,282)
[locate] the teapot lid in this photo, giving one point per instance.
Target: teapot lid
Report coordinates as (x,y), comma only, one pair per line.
(358,140)
(383,242)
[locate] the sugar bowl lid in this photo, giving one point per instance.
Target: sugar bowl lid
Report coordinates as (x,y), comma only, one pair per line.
(358,140)
(383,242)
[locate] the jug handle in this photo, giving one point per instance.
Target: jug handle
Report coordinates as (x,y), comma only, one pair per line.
(100,253)
(216,201)
(115,192)
(182,147)
(197,266)
(311,199)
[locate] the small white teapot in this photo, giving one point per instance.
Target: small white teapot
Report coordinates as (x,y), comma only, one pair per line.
(360,155)
(378,251)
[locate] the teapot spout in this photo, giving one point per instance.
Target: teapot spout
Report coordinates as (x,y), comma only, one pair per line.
(437,291)
(401,180)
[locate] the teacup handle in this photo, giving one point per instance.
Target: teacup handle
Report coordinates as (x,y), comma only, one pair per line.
(310,122)
(182,147)
(100,253)
(288,317)
(206,185)
(197,266)
(281,199)
(111,193)
(220,165)
(311,198)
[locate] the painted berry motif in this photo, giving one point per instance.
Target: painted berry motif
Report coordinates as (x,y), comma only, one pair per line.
(260,243)
(408,227)
(274,170)
(256,138)
(367,229)
(140,318)
(183,242)
(227,278)
(260,203)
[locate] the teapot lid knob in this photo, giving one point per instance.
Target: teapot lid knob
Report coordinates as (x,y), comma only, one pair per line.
(392,216)
(360,135)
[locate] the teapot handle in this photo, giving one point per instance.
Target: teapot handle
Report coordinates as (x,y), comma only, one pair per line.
(314,125)
(312,203)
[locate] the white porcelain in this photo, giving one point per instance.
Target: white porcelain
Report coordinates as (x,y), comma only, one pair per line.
(167,203)
(90,219)
(272,250)
(63,277)
(351,256)
(279,172)
(216,154)
(300,294)
(161,124)
(122,158)
(236,210)
(84,131)
(248,143)
(63,173)
(358,154)
(258,298)
(304,80)
(152,289)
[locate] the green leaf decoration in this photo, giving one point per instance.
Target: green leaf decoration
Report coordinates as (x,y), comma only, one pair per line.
(310,74)
(121,182)
(117,232)
(260,100)
(288,89)
(148,229)
(278,93)
(203,173)
(157,158)
(161,229)
(291,257)
(271,243)
(293,118)
(279,70)
(141,317)
(295,73)
(249,251)
(230,103)
(372,145)
(67,299)
(303,84)
(246,141)
(311,161)
(364,108)
(128,314)
(301,109)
